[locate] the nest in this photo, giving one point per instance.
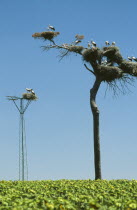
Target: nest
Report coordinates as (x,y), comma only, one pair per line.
(47,35)
(109,73)
(76,49)
(129,67)
(29,96)
(113,54)
(79,37)
(91,55)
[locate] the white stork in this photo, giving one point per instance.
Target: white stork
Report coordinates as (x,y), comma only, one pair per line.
(107,43)
(104,62)
(29,89)
(51,27)
(113,43)
(93,43)
(134,58)
(65,45)
(89,44)
(77,41)
(129,58)
(32,91)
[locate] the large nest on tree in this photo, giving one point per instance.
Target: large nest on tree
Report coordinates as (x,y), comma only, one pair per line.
(76,49)
(29,96)
(47,35)
(91,55)
(113,54)
(129,67)
(109,73)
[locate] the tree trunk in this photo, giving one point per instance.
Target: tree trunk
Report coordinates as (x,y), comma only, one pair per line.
(95,112)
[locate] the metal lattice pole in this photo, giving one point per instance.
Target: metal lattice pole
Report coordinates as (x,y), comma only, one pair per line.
(23,165)
(22,139)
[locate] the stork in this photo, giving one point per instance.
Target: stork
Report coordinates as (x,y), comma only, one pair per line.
(32,91)
(107,43)
(89,44)
(104,62)
(77,41)
(93,43)
(113,43)
(65,45)
(51,27)
(29,89)
(134,58)
(130,58)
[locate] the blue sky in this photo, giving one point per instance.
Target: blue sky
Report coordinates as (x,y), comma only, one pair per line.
(59,125)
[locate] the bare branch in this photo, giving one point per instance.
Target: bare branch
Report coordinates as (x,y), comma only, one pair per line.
(89,69)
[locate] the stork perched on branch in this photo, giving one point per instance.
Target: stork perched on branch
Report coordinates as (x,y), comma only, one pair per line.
(77,41)
(65,45)
(30,90)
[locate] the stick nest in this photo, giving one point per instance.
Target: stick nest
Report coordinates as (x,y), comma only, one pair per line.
(47,35)
(109,73)
(113,54)
(79,37)
(76,49)
(91,55)
(29,96)
(129,67)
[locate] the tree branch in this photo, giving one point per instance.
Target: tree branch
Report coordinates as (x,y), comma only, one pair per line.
(89,69)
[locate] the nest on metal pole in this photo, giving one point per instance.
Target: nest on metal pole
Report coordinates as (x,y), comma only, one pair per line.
(29,96)
(46,35)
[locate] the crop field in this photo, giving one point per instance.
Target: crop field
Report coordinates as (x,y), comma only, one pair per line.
(68,194)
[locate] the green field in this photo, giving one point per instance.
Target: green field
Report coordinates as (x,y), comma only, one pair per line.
(68,194)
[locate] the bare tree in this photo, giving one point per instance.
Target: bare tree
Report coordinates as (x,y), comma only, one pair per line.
(107,65)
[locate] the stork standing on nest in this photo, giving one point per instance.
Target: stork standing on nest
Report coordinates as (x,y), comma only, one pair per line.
(89,44)
(129,58)
(134,58)
(113,43)
(107,43)
(33,92)
(93,44)
(51,28)
(30,90)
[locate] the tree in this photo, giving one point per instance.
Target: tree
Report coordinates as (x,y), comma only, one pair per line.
(108,66)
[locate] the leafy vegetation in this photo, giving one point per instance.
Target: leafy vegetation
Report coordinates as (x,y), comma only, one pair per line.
(68,194)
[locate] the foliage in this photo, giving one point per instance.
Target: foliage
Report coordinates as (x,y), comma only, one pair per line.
(68,194)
